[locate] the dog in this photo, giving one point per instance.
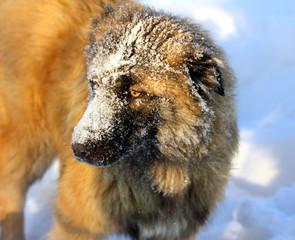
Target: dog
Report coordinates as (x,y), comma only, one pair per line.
(137,104)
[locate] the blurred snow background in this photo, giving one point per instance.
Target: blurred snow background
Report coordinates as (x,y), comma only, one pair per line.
(258,37)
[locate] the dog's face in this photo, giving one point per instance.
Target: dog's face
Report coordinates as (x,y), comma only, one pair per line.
(151,80)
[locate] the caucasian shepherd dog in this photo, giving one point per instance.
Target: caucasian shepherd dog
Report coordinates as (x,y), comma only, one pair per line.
(142,99)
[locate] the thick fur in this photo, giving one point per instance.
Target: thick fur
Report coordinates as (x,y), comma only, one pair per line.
(148,109)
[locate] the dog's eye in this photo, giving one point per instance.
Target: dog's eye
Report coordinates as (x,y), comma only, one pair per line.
(135,94)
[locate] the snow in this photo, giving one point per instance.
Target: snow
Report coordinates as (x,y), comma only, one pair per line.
(259,201)
(38,207)
(97,119)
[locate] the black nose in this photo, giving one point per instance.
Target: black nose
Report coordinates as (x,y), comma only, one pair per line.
(83,151)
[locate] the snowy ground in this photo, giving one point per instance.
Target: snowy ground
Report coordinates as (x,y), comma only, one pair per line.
(260,200)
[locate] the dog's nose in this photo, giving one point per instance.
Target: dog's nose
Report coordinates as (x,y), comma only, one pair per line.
(83,151)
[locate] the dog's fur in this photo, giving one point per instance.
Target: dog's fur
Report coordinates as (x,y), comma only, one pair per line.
(155,122)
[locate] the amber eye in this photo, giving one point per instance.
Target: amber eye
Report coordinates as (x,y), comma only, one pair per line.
(135,94)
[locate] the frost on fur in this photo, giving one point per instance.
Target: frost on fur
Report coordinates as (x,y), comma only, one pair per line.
(153,42)
(98,119)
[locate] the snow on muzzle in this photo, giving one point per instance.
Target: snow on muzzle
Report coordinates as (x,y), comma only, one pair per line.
(100,136)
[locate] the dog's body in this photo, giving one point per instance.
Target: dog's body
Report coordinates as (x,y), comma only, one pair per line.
(159,124)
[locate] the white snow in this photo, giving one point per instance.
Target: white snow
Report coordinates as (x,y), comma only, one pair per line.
(246,165)
(38,207)
(259,202)
(223,21)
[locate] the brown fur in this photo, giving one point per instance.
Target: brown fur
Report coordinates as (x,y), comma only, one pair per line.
(43,95)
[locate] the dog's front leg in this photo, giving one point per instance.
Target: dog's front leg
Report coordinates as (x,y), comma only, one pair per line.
(11,214)
(80,214)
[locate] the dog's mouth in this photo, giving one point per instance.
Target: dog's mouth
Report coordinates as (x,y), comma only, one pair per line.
(99,155)
(109,151)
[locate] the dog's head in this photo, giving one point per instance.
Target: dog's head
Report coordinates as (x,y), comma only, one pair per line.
(152,81)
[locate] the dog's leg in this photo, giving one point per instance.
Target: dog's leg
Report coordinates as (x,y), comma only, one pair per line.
(61,232)
(23,158)
(11,214)
(79,211)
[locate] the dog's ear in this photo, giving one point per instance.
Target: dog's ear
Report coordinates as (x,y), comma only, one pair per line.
(206,74)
